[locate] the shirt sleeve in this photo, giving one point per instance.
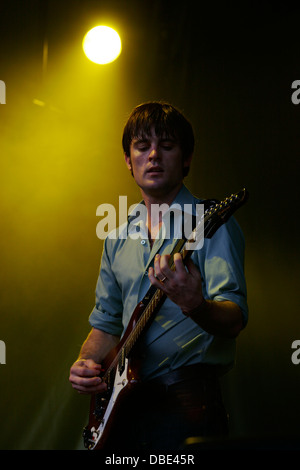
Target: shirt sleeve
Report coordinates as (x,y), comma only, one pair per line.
(107,313)
(222,266)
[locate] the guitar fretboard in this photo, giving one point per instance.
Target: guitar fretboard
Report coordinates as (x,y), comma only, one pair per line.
(156,298)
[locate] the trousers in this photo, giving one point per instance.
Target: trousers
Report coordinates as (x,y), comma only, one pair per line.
(161,414)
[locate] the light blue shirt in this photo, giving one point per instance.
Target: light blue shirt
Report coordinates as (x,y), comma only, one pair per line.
(173,340)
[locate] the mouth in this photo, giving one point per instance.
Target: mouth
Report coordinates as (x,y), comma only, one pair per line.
(155,169)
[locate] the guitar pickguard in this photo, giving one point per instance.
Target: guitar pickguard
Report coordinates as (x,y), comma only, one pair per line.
(93,435)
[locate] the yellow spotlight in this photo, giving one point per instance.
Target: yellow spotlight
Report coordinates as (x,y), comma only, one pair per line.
(102,45)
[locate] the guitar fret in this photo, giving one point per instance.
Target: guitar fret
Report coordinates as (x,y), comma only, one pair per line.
(143,321)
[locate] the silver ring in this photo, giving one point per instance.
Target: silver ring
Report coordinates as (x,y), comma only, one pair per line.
(163,280)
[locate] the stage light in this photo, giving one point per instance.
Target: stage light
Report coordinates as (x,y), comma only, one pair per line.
(102,45)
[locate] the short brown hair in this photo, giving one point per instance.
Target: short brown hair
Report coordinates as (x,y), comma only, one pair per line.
(166,120)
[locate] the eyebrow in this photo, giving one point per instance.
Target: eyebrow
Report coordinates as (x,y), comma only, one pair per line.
(137,140)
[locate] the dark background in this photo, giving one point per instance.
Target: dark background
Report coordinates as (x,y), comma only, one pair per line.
(229,68)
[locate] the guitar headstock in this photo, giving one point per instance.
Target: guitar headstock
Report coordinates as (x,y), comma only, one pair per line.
(215,216)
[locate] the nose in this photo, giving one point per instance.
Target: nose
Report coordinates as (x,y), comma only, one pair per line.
(153,155)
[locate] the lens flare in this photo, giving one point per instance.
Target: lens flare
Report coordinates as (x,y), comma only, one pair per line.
(102,45)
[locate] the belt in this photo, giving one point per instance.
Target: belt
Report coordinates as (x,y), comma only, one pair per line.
(190,372)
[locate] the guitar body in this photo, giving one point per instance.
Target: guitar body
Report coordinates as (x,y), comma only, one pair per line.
(121,375)
(102,416)
(121,365)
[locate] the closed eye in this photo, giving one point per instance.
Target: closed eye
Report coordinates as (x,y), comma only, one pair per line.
(167,144)
(142,145)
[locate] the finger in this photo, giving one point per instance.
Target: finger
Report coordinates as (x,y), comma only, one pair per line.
(87,384)
(192,268)
(162,268)
(157,269)
(90,389)
(165,267)
(85,371)
(156,282)
(179,265)
(89,363)
(153,278)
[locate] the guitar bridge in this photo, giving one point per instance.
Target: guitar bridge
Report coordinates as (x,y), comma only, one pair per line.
(89,437)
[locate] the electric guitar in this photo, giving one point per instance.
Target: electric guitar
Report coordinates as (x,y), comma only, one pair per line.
(120,366)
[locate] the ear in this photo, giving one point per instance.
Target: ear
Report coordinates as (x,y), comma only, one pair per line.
(128,161)
(187,162)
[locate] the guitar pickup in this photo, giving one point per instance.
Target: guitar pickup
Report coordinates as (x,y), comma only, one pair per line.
(122,358)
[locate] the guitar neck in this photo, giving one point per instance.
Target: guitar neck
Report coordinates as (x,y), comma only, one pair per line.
(149,306)
(153,301)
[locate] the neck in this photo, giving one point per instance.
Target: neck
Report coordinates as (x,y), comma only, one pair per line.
(155,213)
(160,198)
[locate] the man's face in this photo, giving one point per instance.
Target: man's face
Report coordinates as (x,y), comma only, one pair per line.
(156,164)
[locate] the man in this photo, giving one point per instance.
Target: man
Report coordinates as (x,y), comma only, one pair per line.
(191,341)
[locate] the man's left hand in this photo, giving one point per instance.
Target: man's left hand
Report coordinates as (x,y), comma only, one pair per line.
(183,286)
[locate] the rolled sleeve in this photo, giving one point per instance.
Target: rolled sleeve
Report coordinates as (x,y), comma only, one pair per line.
(107,313)
(223,267)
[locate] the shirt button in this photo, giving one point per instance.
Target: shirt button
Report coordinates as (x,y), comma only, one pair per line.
(143,242)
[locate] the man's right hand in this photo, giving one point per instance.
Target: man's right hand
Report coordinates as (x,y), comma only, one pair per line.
(84,377)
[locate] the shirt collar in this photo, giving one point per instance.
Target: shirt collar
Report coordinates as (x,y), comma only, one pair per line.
(184,199)
(184,202)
